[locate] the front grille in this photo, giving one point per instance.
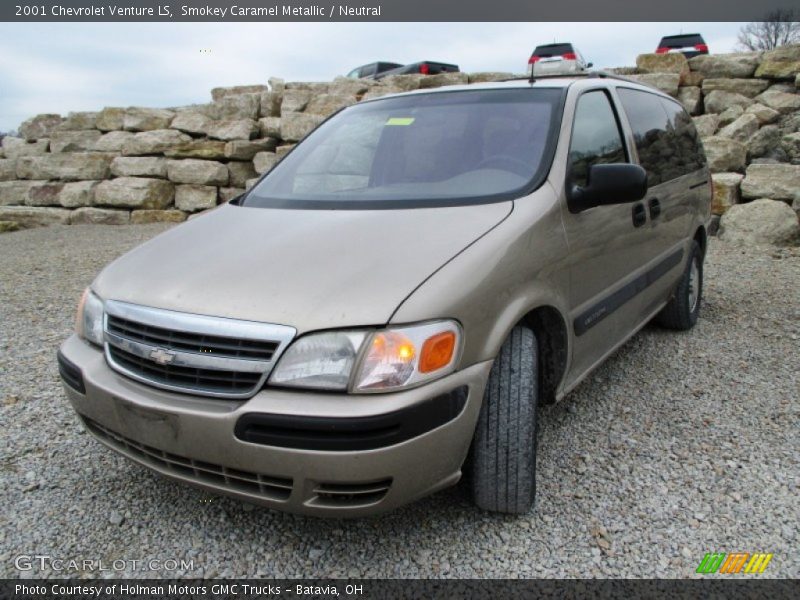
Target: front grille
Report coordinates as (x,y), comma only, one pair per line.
(198,354)
(350,494)
(192,342)
(267,486)
(211,380)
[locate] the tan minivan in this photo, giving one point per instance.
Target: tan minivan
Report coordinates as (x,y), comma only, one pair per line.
(391,303)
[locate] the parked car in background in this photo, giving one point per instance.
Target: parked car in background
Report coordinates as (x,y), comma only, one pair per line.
(688,44)
(379,70)
(556,59)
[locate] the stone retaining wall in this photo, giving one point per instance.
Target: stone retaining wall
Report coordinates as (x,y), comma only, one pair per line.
(141,165)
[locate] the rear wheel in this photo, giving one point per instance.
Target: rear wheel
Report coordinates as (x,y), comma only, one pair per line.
(684,307)
(504,447)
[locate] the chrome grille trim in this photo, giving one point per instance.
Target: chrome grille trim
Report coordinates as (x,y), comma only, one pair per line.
(198,345)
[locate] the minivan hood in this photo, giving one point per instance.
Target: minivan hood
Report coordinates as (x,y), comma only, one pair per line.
(310,269)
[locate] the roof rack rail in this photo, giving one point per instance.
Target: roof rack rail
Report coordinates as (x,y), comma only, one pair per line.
(588,74)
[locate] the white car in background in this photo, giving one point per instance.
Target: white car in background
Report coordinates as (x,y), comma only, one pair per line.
(556,59)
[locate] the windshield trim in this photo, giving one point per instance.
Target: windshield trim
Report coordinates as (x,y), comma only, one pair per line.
(538,179)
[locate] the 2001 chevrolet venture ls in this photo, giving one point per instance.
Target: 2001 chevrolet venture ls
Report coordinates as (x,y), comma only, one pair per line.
(399,293)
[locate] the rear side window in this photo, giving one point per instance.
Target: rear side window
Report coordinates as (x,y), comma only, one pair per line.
(596,138)
(665,137)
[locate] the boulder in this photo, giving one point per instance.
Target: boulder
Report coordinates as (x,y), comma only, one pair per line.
(489,76)
(141,217)
(8,169)
(192,121)
(192,198)
(746,87)
(726,191)
(327,104)
(663,63)
(77,193)
(8,226)
(693,79)
(74,141)
(16,192)
(71,166)
(139,166)
(350,87)
(764,141)
(219,93)
(295,126)
(207,149)
(726,66)
(442,79)
(741,129)
(250,183)
(270,127)
(134,192)
(783,102)
(400,83)
(776,181)
(764,114)
(110,118)
(666,82)
(282,151)
(271,104)
(276,84)
(791,145)
(226,194)
(40,126)
(718,101)
(760,222)
(316,87)
(781,63)
(264,161)
(26,216)
(79,121)
(113,141)
(14,147)
(99,216)
(201,172)
(240,172)
(242,106)
(157,141)
(729,115)
(692,99)
(237,129)
(146,119)
(724,154)
(295,100)
(706,125)
(246,150)
(45,194)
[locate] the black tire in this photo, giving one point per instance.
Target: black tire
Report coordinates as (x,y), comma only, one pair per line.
(683,308)
(504,447)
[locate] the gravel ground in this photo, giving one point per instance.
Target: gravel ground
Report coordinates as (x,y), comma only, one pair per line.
(681,444)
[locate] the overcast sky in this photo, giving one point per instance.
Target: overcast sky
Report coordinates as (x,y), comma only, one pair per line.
(68,67)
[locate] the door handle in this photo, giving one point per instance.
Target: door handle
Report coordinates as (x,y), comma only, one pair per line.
(655,208)
(639,214)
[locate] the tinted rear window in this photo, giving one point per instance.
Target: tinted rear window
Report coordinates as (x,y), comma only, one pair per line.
(666,140)
(681,41)
(429,149)
(553,50)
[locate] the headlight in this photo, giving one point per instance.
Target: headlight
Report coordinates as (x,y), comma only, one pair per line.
(89,320)
(370,361)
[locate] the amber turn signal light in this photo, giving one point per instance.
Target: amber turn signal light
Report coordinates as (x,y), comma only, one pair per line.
(437,352)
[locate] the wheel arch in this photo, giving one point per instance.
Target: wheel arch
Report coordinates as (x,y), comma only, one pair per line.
(552,336)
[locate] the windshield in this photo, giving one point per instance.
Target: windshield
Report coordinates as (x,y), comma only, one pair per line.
(425,150)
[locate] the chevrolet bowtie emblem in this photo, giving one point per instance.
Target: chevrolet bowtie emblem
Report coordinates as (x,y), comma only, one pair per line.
(162,357)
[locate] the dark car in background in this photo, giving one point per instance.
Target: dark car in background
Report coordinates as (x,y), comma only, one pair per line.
(379,70)
(688,44)
(556,59)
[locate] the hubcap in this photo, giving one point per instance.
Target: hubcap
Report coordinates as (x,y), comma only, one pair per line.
(694,286)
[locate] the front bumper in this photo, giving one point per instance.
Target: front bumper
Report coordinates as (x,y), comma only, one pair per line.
(192,439)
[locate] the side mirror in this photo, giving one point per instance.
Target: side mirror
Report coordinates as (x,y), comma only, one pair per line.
(590,65)
(616,183)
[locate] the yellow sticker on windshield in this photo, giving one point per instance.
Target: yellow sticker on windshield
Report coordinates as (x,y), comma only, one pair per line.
(400,121)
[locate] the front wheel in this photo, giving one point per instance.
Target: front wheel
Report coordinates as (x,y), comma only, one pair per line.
(684,307)
(504,446)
